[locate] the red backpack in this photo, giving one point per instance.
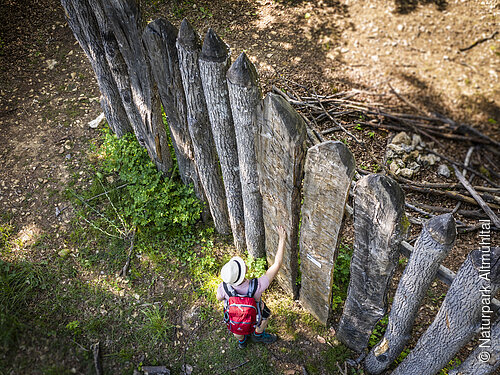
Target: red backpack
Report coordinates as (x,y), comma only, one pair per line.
(242,312)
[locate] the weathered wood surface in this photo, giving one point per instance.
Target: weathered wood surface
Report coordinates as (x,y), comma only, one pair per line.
(432,246)
(159,38)
(188,49)
(329,169)
(244,95)
(380,225)
(125,23)
(458,317)
(84,25)
(214,63)
(483,360)
(280,148)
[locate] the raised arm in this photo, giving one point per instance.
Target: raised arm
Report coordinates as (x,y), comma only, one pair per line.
(278,260)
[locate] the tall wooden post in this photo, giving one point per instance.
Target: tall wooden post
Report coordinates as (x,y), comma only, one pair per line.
(86,30)
(214,63)
(485,359)
(244,95)
(125,24)
(380,225)
(476,282)
(188,49)
(432,246)
(281,148)
(329,169)
(159,38)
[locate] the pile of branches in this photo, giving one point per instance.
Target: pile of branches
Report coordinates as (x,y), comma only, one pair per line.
(326,115)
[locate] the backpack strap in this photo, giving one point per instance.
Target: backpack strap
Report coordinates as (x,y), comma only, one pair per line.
(229,290)
(252,288)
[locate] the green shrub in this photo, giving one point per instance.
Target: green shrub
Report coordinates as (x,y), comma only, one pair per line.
(153,200)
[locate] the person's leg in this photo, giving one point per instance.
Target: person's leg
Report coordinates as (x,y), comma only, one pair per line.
(242,340)
(262,326)
(260,335)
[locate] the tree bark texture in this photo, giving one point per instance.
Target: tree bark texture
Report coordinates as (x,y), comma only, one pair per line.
(432,246)
(159,38)
(483,360)
(281,148)
(125,24)
(379,227)
(459,315)
(83,23)
(188,49)
(329,169)
(214,63)
(244,95)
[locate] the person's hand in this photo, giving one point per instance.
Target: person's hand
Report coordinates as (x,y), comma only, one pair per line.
(281,232)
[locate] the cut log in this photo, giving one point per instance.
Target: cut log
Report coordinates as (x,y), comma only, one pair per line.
(86,30)
(477,281)
(214,63)
(329,169)
(125,24)
(380,225)
(244,95)
(188,49)
(485,359)
(281,148)
(432,246)
(159,38)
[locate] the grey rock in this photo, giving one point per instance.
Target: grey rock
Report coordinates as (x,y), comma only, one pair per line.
(401,138)
(155,370)
(406,172)
(444,171)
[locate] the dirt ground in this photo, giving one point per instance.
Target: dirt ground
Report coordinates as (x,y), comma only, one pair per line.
(48,93)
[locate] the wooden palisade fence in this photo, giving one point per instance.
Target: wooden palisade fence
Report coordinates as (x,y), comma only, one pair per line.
(248,160)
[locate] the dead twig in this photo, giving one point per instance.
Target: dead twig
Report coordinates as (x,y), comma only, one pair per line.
(124,270)
(451,194)
(479,41)
(487,209)
(237,366)
(96,351)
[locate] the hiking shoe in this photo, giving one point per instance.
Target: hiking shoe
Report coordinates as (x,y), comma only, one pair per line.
(243,344)
(264,338)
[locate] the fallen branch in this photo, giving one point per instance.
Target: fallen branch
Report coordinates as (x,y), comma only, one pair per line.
(487,209)
(96,351)
(451,194)
(474,214)
(479,41)
(124,271)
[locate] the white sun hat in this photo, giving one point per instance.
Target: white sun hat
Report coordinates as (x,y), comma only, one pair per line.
(233,272)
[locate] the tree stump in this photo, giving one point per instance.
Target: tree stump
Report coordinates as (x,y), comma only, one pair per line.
(380,225)
(214,63)
(159,38)
(433,245)
(281,147)
(329,169)
(84,26)
(459,315)
(483,360)
(244,95)
(188,49)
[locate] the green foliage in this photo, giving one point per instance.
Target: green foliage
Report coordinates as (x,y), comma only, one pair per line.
(378,331)
(19,284)
(333,355)
(157,325)
(153,200)
(341,275)
(256,267)
(5,238)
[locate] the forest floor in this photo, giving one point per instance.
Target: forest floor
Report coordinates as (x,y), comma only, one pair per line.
(424,50)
